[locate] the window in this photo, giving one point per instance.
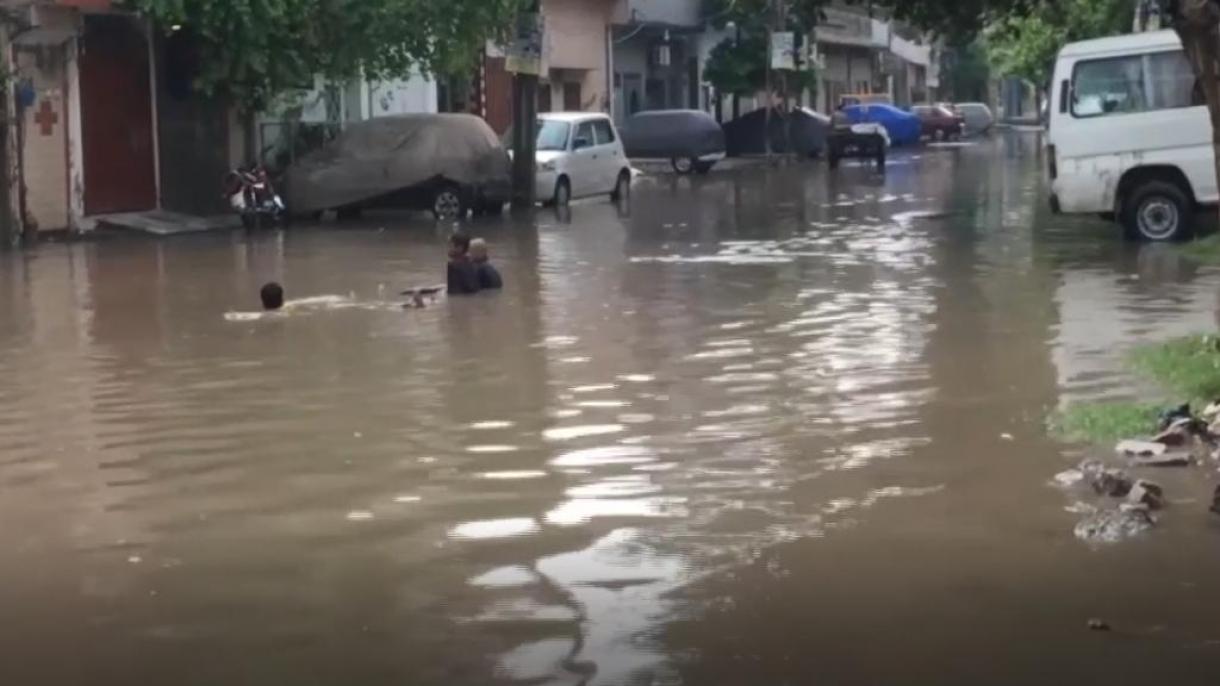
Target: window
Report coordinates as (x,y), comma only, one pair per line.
(604,132)
(1137,83)
(584,135)
(552,135)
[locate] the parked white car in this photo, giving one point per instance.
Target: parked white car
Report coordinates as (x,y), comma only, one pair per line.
(1126,138)
(579,154)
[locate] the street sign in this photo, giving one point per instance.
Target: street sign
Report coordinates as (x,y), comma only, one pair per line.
(525,50)
(783,50)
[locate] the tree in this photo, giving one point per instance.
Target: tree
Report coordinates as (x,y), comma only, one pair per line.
(1197,23)
(1025,44)
(250,50)
(738,65)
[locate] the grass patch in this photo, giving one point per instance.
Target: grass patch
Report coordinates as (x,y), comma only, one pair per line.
(1203,249)
(1189,367)
(1105,422)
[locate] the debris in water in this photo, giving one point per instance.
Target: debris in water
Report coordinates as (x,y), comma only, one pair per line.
(1148,494)
(1105,481)
(1096,624)
(1140,448)
(1112,526)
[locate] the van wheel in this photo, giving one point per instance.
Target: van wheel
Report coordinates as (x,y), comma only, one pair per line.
(1158,211)
(563,193)
(622,187)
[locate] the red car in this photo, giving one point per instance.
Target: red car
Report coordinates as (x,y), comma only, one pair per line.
(939,122)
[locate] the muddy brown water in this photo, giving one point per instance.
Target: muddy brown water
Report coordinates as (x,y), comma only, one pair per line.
(752,429)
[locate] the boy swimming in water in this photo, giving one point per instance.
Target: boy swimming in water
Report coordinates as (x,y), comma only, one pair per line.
(272,295)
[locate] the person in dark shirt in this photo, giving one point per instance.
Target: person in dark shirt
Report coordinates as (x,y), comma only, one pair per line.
(461,276)
(489,276)
(272,295)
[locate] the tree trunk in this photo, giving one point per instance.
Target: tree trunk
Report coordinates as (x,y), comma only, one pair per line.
(1196,24)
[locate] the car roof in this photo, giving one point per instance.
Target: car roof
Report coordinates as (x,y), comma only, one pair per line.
(1149,40)
(571,116)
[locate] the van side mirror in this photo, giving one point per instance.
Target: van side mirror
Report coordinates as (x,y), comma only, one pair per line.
(581,142)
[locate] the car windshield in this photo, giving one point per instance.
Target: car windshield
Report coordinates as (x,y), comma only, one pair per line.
(552,135)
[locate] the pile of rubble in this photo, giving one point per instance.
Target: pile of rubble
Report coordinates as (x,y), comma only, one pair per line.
(1183,439)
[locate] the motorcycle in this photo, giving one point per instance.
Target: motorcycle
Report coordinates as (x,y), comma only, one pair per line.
(251,195)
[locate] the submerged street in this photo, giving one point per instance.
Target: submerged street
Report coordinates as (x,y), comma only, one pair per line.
(760,427)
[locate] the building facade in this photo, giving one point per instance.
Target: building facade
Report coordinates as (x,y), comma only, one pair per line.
(106,120)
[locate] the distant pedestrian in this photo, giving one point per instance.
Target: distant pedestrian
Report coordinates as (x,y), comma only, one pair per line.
(489,276)
(272,295)
(461,276)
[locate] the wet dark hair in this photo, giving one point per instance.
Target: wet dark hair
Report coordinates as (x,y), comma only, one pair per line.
(460,241)
(272,295)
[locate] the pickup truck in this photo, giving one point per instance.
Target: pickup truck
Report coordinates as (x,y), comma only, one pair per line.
(867,141)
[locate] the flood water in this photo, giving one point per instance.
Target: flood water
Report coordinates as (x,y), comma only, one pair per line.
(782,428)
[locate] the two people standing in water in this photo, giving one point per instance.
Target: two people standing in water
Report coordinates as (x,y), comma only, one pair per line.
(469,269)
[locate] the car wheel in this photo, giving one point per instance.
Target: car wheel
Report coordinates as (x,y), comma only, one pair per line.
(881,158)
(447,203)
(622,187)
(563,193)
(682,165)
(1158,211)
(832,158)
(249,220)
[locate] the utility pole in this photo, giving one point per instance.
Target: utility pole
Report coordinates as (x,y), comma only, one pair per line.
(770,26)
(525,106)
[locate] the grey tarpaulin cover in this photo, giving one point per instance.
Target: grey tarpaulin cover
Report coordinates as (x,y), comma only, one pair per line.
(379,156)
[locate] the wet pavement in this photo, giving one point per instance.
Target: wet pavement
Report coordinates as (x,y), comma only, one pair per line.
(754,428)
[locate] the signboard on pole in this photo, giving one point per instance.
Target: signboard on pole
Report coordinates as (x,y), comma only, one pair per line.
(525,51)
(783,52)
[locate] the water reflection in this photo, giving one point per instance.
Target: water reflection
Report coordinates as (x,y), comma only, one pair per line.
(705,438)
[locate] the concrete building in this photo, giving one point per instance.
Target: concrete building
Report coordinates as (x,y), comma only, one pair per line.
(576,64)
(106,119)
(865,54)
(659,48)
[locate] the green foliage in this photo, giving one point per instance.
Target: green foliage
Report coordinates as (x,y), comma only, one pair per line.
(251,50)
(1203,249)
(1189,367)
(965,72)
(1025,43)
(1104,422)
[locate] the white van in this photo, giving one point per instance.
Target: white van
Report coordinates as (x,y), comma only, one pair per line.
(1128,135)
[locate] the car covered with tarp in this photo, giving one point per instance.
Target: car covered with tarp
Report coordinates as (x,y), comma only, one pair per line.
(902,127)
(690,139)
(446,163)
(804,128)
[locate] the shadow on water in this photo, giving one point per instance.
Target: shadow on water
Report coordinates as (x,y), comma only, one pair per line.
(768,426)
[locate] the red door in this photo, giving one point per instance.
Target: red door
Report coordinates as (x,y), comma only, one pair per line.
(116,117)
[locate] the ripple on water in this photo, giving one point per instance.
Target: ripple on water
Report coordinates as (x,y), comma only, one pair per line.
(567,433)
(514,475)
(606,455)
(512,527)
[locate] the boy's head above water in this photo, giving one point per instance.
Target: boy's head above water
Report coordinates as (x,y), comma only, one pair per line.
(459,245)
(478,250)
(272,295)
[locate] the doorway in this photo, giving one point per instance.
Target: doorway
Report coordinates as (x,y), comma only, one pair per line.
(116,117)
